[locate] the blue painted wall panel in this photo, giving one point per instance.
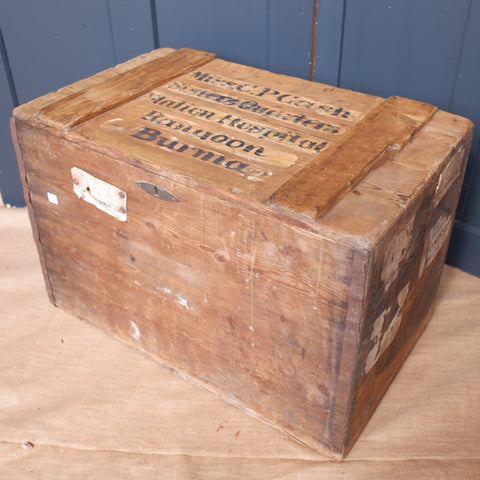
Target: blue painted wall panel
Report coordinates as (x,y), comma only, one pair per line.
(466,102)
(328,44)
(10,186)
(464,249)
(466,95)
(235,31)
(53,43)
(289,37)
(471,185)
(131,28)
(471,207)
(407,48)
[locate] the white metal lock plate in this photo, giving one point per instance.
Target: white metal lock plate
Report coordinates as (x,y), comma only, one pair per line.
(103,195)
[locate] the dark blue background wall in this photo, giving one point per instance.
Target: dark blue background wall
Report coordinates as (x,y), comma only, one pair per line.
(427,50)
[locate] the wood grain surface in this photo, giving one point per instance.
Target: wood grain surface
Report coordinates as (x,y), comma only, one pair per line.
(376,139)
(82,106)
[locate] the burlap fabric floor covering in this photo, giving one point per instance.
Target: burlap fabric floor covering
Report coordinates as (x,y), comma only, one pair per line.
(92,408)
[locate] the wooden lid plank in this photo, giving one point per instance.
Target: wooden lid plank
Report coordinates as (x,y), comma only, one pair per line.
(372,141)
(86,104)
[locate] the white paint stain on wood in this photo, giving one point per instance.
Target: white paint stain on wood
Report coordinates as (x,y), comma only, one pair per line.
(202,240)
(252,276)
(397,251)
(182,301)
(179,298)
(317,279)
(381,341)
(376,337)
(436,239)
(52,198)
(216,226)
(134,331)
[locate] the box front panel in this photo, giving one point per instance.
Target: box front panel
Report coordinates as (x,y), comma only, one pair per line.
(252,308)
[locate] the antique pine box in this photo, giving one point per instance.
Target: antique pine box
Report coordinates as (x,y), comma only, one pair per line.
(278,241)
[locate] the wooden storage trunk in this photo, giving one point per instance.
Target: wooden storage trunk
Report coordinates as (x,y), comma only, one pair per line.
(278,241)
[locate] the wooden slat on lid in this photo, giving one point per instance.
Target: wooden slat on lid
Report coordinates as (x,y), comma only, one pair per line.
(372,141)
(75,109)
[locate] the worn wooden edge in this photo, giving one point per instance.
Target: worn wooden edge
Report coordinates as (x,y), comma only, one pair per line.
(28,110)
(327,450)
(86,104)
(31,212)
(378,137)
(110,88)
(362,270)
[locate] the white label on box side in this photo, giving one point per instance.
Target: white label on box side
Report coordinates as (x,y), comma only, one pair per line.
(103,195)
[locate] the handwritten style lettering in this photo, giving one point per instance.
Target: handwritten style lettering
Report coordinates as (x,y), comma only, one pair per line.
(257,130)
(153,135)
(266,92)
(202,134)
(251,106)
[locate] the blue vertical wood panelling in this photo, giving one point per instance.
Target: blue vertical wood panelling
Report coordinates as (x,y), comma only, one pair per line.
(289,37)
(470,205)
(328,44)
(464,249)
(466,95)
(271,34)
(407,48)
(234,30)
(131,24)
(466,101)
(53,43)
(10,187)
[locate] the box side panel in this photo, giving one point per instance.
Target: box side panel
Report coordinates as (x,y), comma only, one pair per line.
(28,202)
(408,266)
(251,308)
